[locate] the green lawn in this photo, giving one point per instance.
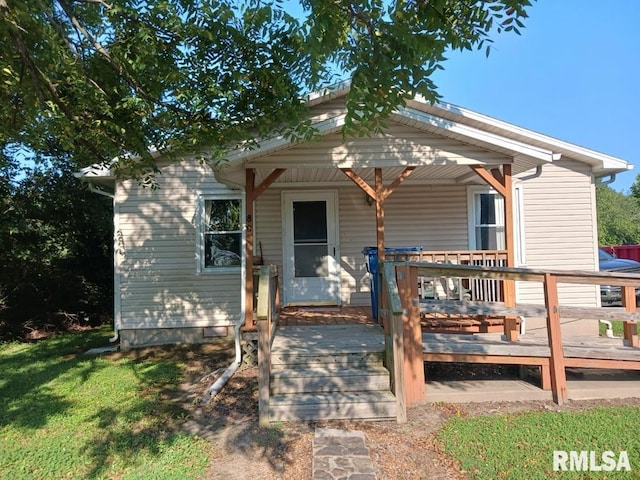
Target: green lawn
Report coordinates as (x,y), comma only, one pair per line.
(521,446)
(67,416)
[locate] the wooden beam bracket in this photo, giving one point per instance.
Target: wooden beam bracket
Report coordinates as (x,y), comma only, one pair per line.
(496,184)
(266,183)
(364,186)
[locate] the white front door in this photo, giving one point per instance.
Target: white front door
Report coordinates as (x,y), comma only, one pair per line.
(311,269)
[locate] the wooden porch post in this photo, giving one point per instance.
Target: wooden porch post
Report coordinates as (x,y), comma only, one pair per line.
(510,323)
(252,193)
(503,184)
(379,194)
(414,380)
(379,214)
(630,328)
(554,334)
(248,309)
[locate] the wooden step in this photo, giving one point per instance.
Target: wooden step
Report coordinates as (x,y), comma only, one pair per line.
(323,378)
(378,405)
(310,359)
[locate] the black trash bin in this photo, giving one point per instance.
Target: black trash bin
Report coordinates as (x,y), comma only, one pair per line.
(372,267)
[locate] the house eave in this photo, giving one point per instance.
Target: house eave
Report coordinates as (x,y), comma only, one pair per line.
(601,164)
(230,172)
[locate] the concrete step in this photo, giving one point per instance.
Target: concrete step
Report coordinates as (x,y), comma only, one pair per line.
(280,360)
(323,378)
(378,405)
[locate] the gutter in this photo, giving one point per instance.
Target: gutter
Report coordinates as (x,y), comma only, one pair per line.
(611,179)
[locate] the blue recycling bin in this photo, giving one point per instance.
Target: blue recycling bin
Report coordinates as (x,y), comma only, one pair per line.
(372,267)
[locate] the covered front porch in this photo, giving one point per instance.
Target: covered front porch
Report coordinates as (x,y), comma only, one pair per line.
(312,207)
(341,220)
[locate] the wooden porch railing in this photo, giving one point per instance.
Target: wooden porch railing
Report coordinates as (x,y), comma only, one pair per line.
(267,318)
(400,314)
(429,287)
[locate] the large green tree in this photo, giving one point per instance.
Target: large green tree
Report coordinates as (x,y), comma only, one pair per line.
(86,81)
(96,79)
(618,217)
(56,266)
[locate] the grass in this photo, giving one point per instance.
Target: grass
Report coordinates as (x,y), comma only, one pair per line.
(520,446)
(64,415)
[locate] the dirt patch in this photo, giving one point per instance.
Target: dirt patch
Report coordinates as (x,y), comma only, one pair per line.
(283,451)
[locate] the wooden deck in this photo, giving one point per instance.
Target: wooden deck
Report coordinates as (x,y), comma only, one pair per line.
(327,362)
(531,350)
(358,315)
(310,316)
(316,340)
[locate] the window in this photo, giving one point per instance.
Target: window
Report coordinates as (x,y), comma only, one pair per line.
(220,238)
(486,221)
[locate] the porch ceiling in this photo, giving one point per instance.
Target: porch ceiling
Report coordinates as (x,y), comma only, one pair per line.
(441,150)
(431,174)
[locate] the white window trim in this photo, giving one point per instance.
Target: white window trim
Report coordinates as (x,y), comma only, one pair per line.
(518,219)
(199,233)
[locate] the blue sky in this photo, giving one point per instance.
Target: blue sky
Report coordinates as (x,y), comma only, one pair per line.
(573,74)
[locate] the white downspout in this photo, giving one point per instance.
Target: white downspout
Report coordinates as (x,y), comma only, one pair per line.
(222,380)
(116,271)
(609,332)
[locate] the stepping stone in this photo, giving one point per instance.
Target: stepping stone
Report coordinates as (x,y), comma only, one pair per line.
(341,455)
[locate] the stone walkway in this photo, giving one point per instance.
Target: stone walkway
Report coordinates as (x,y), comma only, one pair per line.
(341,455)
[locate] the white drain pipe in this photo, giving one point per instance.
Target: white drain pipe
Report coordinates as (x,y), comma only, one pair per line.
(609,332)
(214,389)
(222,380)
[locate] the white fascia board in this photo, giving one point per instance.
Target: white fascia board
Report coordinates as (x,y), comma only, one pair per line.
(95,171)
(479,135)
(607,161)
(105,171)
(328,93)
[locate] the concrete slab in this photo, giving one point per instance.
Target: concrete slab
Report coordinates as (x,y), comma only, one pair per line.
(101,350)
(586,384)
(466,391)
(582,384)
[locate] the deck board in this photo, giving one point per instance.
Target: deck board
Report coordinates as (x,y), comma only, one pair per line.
(327,339)
(528,346)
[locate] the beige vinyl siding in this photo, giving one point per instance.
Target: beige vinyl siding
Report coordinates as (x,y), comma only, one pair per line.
(431,216)
(357,231)
(156,239)
(560,229)
(268,227)
(327,110)
(400,144)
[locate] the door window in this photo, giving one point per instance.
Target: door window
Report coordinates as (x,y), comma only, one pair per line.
(310,239)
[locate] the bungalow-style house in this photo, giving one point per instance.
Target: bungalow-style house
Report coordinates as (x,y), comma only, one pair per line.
(441,177)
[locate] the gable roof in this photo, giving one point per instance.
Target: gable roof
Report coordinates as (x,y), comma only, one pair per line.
(531,149)
(601,163)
